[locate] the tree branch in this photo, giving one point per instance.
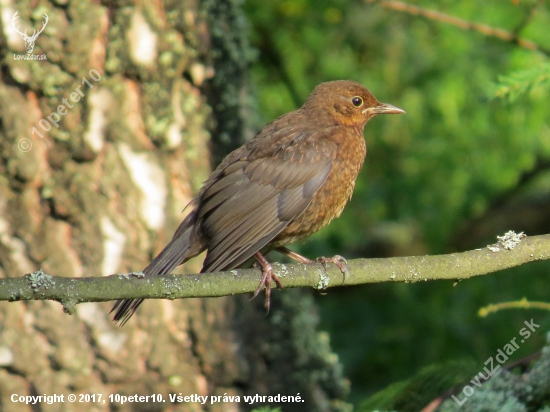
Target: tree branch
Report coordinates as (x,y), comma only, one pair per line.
(463,24)
(511,250)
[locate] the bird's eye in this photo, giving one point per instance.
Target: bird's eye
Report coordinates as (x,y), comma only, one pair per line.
(357,101)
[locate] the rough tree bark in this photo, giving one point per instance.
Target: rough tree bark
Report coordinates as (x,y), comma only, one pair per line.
(99,188)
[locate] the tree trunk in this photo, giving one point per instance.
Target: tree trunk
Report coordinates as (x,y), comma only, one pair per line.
(102,145)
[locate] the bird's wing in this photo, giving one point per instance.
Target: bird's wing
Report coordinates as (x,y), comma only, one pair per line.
(252,199)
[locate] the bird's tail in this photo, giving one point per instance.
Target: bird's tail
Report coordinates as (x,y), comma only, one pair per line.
(183,246)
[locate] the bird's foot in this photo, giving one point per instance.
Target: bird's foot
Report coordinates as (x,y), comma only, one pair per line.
(337,260)
(267,277)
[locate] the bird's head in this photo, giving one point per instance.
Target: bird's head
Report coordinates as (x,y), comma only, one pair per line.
(347,103)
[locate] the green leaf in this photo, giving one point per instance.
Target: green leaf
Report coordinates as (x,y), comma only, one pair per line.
(520,82)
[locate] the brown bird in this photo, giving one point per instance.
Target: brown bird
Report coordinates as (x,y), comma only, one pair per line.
(289,181)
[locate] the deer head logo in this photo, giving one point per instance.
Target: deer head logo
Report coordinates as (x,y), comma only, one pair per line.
(29,40)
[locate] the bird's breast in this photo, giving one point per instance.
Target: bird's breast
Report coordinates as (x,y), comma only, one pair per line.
(330,199)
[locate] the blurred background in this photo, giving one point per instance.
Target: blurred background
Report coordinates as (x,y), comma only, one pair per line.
(469,161)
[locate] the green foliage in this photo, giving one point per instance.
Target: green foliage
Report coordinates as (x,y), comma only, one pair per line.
(520,82)
(450,163)
(509,391)
(415,393)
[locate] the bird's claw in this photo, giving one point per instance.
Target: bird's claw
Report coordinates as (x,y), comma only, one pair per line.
(337,260)
(267,277)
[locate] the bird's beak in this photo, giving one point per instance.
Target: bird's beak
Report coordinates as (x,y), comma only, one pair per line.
(384,108)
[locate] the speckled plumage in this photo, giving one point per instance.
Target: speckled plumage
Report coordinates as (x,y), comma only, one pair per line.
(289,181)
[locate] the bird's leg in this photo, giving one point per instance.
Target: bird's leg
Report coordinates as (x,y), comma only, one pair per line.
(337,260)
(294,256)
(267,277)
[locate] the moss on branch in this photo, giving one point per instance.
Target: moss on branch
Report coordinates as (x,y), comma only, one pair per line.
(454,266)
